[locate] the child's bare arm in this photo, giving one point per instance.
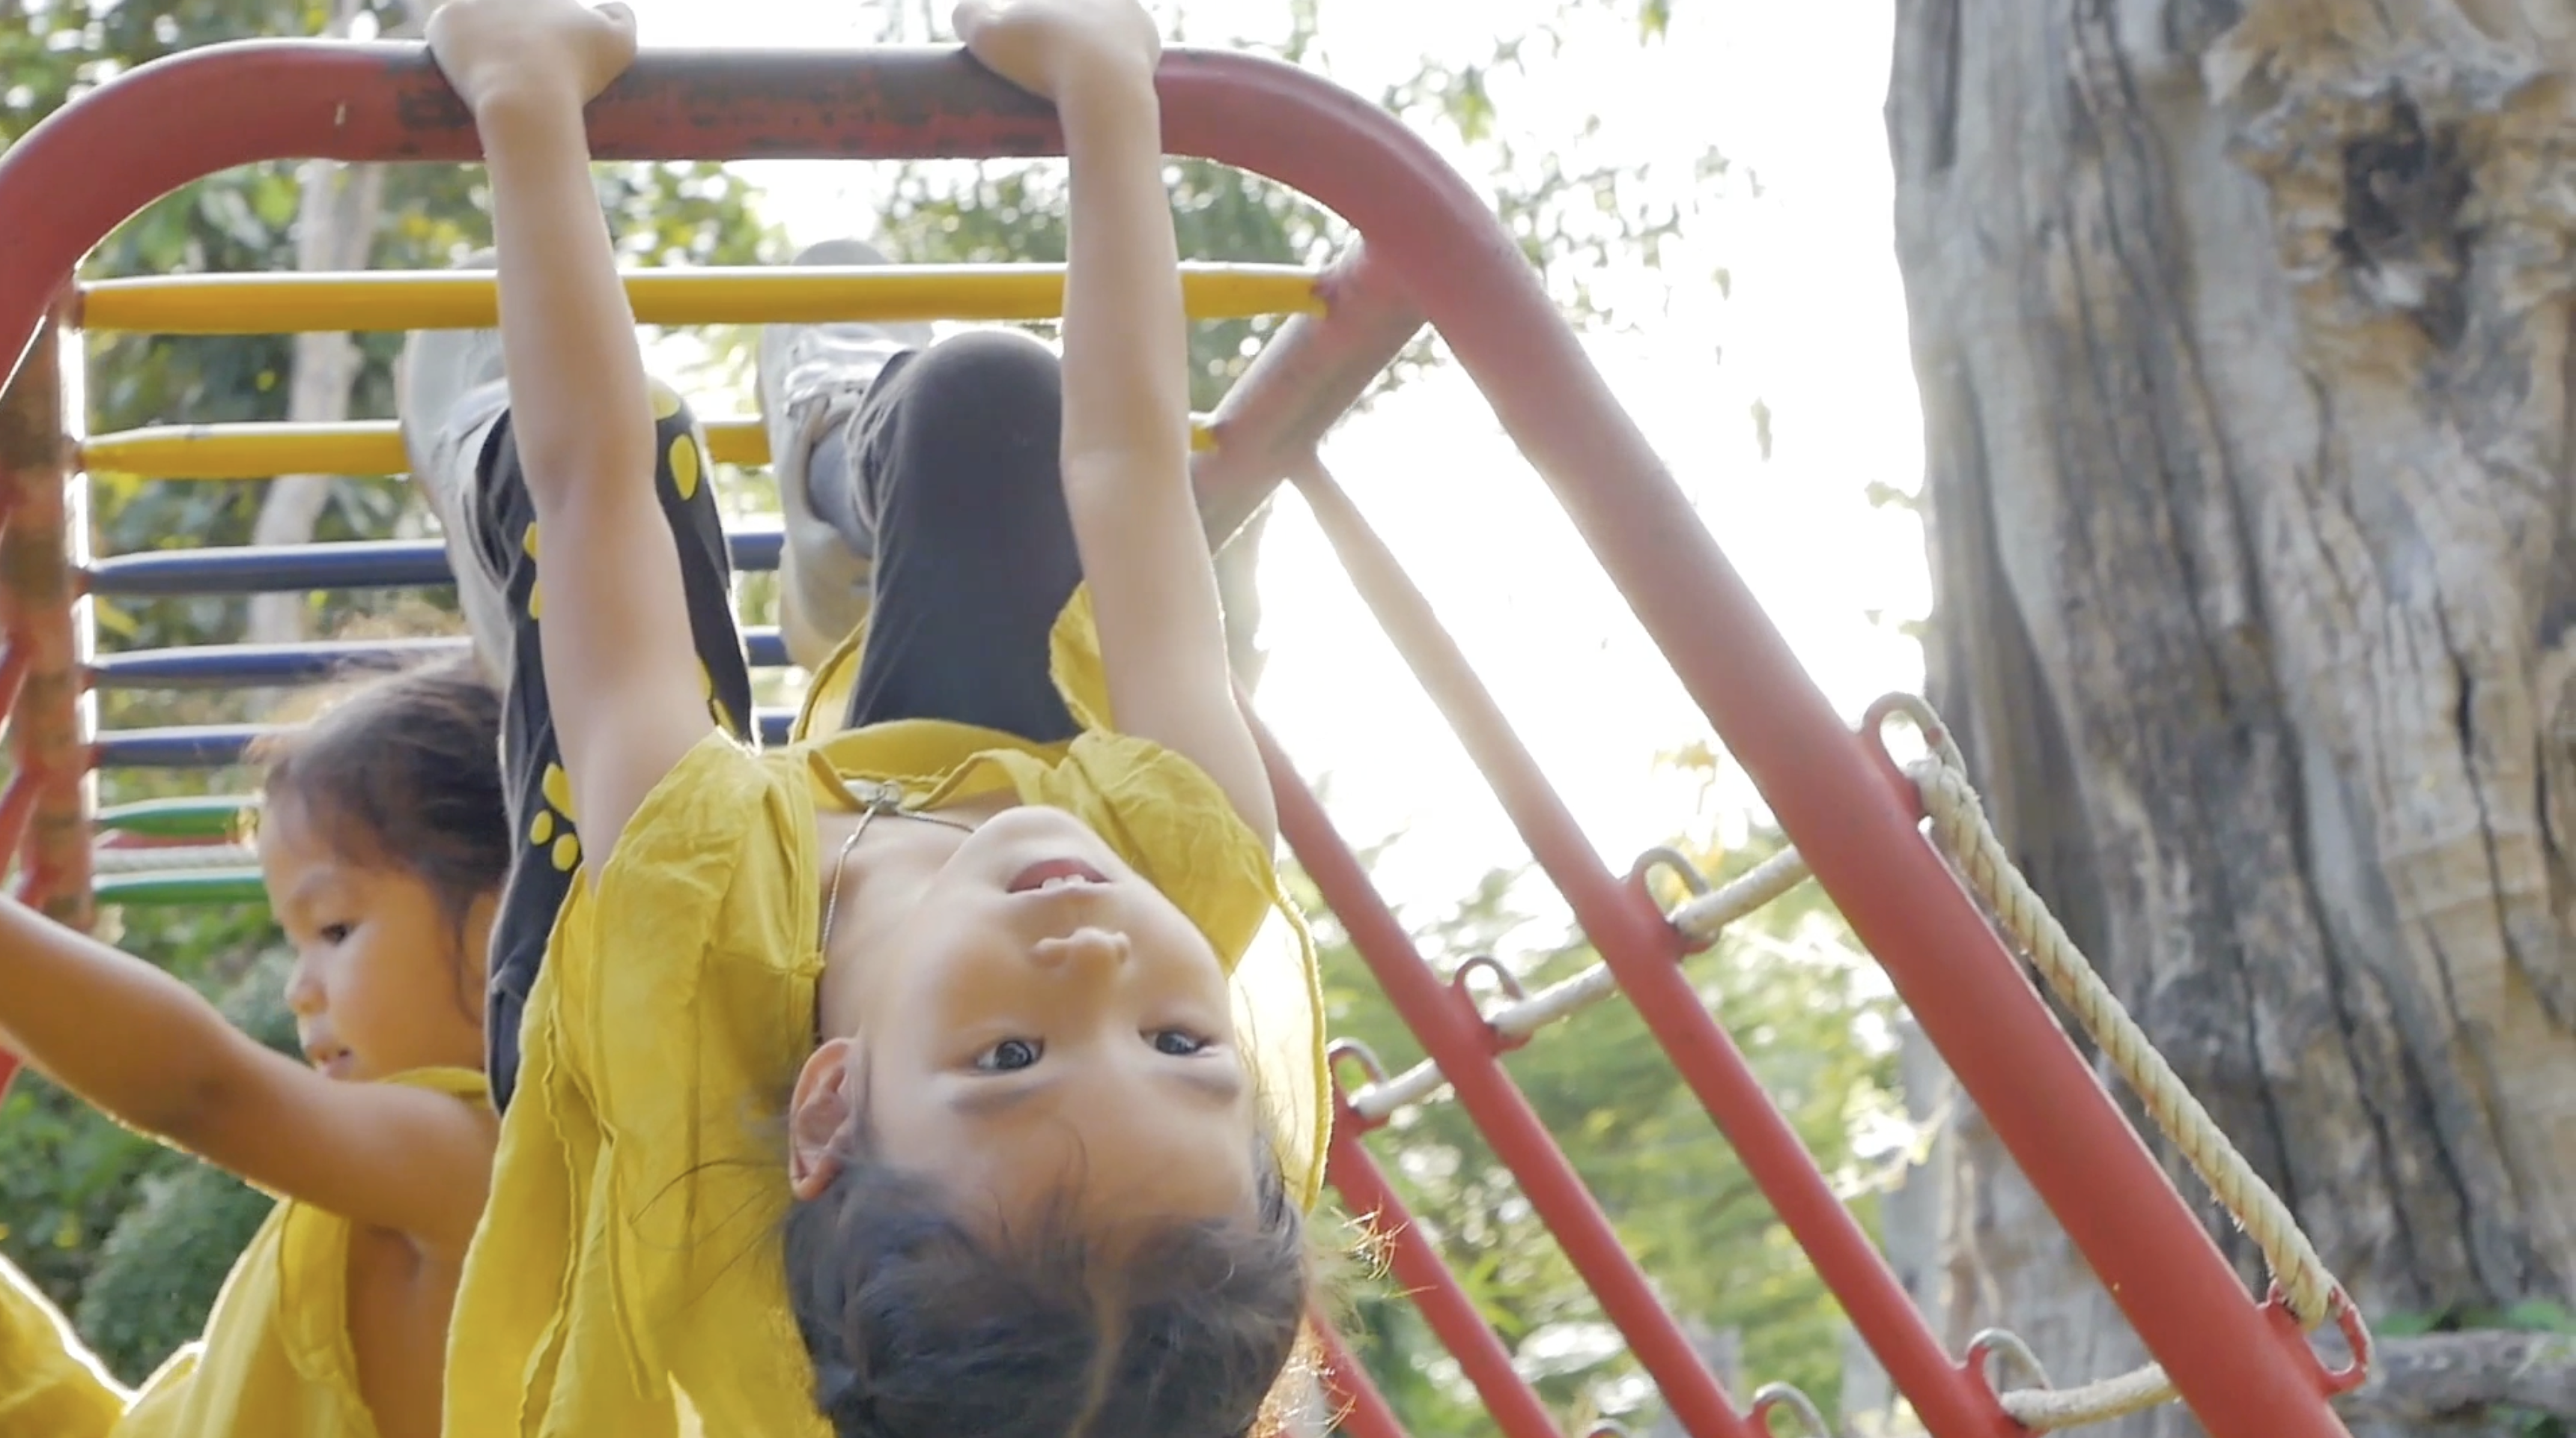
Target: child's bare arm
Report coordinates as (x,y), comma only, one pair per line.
(1126,384)
(155,1055)
(620,670)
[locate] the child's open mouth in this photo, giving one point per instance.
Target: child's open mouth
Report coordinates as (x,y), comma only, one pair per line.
(1055,874)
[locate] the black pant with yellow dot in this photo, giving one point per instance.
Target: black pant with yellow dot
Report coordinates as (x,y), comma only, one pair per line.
(947,473)
(505,527)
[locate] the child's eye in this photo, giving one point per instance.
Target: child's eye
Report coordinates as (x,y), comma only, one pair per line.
(1007,1056)
(1179,1043)
(334,933)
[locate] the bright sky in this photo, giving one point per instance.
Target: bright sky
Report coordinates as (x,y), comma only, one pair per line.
(1814,328)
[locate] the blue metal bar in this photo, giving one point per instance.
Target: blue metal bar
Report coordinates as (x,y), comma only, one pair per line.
(389,564)
(212,746)
(278,569)
(227,666)
(193,746)
(232,666)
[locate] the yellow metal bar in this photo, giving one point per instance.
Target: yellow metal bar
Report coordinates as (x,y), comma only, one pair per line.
(246,451)
(264,451)
(264,304)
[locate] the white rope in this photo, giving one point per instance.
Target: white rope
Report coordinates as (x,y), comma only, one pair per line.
(1960,828)
(1701,919)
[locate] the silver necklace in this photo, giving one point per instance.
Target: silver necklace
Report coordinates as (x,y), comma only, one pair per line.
(874,799)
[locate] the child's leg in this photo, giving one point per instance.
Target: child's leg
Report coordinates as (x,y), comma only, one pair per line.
(813,379)
(457,421)
(941,464)
(956,457)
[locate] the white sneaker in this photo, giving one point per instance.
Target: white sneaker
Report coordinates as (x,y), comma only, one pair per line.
(813,377)
(450,389)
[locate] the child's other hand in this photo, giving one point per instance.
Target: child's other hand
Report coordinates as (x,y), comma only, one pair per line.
(1047,47)
(554,50)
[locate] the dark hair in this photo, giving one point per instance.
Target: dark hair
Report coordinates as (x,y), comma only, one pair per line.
(403,771)
(920,1328)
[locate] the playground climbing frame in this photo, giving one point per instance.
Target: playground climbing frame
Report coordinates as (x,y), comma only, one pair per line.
(1429,251)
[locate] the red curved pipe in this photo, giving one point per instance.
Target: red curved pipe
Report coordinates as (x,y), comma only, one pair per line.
(100,159)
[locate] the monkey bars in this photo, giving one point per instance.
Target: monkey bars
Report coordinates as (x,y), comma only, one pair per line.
(1429,250)
(258,451)
(292,303)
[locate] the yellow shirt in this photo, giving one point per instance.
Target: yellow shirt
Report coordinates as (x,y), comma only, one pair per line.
(631,1240)
(275,1361)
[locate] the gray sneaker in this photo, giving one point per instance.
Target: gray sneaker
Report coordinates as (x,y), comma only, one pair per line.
(812,378)
(450,389)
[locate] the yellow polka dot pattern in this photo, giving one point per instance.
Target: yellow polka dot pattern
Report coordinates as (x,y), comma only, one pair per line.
(684,466)
(666,400)
(552,829)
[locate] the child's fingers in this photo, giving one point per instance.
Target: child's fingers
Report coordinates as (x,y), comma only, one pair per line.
(971,16)
(618,14)
(620,19)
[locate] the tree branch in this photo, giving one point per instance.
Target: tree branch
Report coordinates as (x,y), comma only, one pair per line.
(2443,1375)
(335,229)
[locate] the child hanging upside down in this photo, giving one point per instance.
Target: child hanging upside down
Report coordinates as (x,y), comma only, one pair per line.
(383,839)
(924,1078)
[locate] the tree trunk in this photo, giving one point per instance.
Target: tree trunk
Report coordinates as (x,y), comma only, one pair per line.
(335,225)
(1909,1228)
(335,229)
(2242,330)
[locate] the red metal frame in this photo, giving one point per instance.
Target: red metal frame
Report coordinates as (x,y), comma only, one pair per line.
(44,815)
(1513,1404)
(13,678)
(1643,952)
(1306,377)
(1357,1407)
(1465,1047)
(1433,251)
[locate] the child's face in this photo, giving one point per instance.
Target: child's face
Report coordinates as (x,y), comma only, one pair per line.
(380,984)
(1042,1021)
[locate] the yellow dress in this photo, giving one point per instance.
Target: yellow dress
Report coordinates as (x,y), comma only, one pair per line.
(631,1239)
(275,1361)
(50,1387)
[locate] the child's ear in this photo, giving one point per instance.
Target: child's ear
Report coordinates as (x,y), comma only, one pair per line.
(815,1118)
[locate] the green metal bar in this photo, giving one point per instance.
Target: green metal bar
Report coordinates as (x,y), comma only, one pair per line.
(182,886)
(210,816)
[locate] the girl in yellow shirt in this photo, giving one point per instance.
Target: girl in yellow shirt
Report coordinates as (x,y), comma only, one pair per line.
(383,843)
(989,936)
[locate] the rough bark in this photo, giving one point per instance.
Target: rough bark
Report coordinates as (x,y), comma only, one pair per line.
(337,209)
(2443,1377)
(2242,335)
